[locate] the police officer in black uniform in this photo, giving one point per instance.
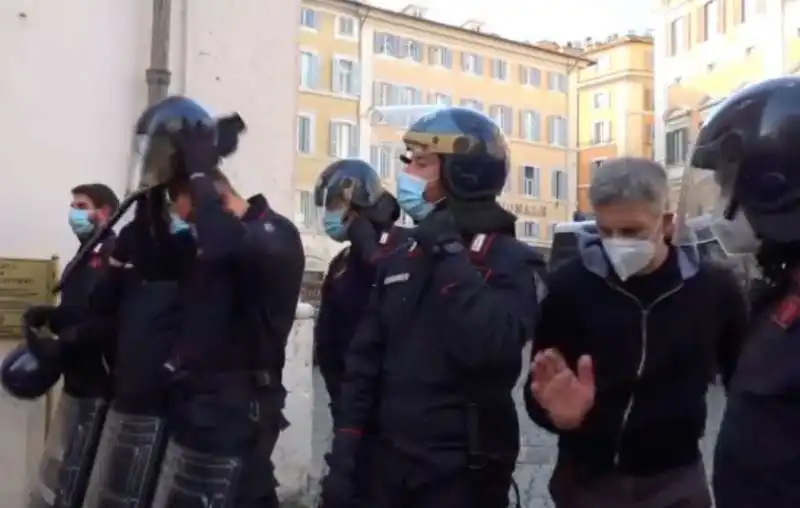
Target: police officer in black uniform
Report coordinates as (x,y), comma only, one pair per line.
(35,366)
(746,168)
(439,349)
(355,208)
(238,303)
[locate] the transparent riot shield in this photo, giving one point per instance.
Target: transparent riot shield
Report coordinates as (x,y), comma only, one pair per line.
(193,479)
(68,454)
(127,462)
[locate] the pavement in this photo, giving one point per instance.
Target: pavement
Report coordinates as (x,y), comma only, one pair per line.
(538,447)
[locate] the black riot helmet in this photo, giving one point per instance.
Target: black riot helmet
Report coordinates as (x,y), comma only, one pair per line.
(472,149)
(745,168)
(29,371)
(353,185)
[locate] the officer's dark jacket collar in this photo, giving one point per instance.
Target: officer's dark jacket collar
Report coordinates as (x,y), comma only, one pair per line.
(258,208)
(594,259)
(483,217)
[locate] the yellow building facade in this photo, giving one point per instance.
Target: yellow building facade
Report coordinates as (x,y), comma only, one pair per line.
(709,49)
(615,104)
(357,60)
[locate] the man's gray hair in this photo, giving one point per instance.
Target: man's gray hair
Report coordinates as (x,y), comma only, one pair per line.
(630,179)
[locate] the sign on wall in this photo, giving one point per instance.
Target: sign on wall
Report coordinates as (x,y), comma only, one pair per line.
(529,210)
(23,283)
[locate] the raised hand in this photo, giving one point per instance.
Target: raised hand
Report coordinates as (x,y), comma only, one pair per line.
(566,395)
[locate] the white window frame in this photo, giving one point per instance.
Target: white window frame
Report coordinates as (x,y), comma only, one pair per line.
(533,225)
(354,125)
(605,132)
(711,13)
(677,36)
(502,64)
(341,35)
(307,220)
(315,53)
(535,182)
(336,61)
(554,174)
(556,134)
(525,131)
(600,100)
(439,52)
(316,19)
(439,95)
(312,131)
(382,164)
(471,63)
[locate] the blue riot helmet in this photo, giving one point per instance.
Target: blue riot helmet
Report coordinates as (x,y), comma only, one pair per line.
(472,149)
(30,370)
(352,185)
(744,169)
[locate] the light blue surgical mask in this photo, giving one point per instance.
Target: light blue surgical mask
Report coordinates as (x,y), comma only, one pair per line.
(410,196)
(177,225)
(333,221)
(80,222)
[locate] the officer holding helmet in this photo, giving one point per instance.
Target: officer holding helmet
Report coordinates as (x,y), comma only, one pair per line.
(745,169)
(356,208)
(438,350)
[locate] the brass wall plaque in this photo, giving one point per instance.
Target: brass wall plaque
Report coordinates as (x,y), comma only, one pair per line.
(23,283)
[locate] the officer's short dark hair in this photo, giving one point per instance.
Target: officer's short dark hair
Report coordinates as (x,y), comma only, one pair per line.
(100,194)
(180,185)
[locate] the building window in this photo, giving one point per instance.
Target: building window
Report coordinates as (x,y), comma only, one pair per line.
(557,82)
(441,99)
(345,77)
(305,133)
(530,125)
(530,181)
(307,215)
(528,229)
(601,132)
(677,36)
(409,96)
(530,76)
(711,17)
(472,63)
(309,70)
(557,130)
(346,27)
(343,139)
(747,10)
(499,69)
(602,63)
(472,104)
(601,100)
(411,50)
(308,18)
(559,185)
(380,156)
(503,116)
(677,146)
(440,56)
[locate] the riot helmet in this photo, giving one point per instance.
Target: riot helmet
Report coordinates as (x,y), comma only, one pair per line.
(154,151)
(744,169)
(460,147)
(352,185)
(28,371)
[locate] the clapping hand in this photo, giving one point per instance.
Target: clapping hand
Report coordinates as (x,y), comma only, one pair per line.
(566,395)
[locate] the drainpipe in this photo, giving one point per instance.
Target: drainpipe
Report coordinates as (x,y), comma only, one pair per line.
(362,20)
(570,67)
(158,75)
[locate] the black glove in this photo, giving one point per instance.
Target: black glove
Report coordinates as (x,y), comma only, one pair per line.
(436,231)
(363,237)
(337,486)
(197,149)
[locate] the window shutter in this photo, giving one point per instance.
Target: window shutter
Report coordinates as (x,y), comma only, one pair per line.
(355,81)
(336,76)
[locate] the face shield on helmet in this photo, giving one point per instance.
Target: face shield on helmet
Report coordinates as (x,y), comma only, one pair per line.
(345,186)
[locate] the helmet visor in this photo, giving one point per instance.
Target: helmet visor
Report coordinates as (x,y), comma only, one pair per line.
(707,209)
(152,161)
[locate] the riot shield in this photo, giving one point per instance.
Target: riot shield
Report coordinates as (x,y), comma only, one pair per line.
(192,479)
(69,453)
(127,462)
